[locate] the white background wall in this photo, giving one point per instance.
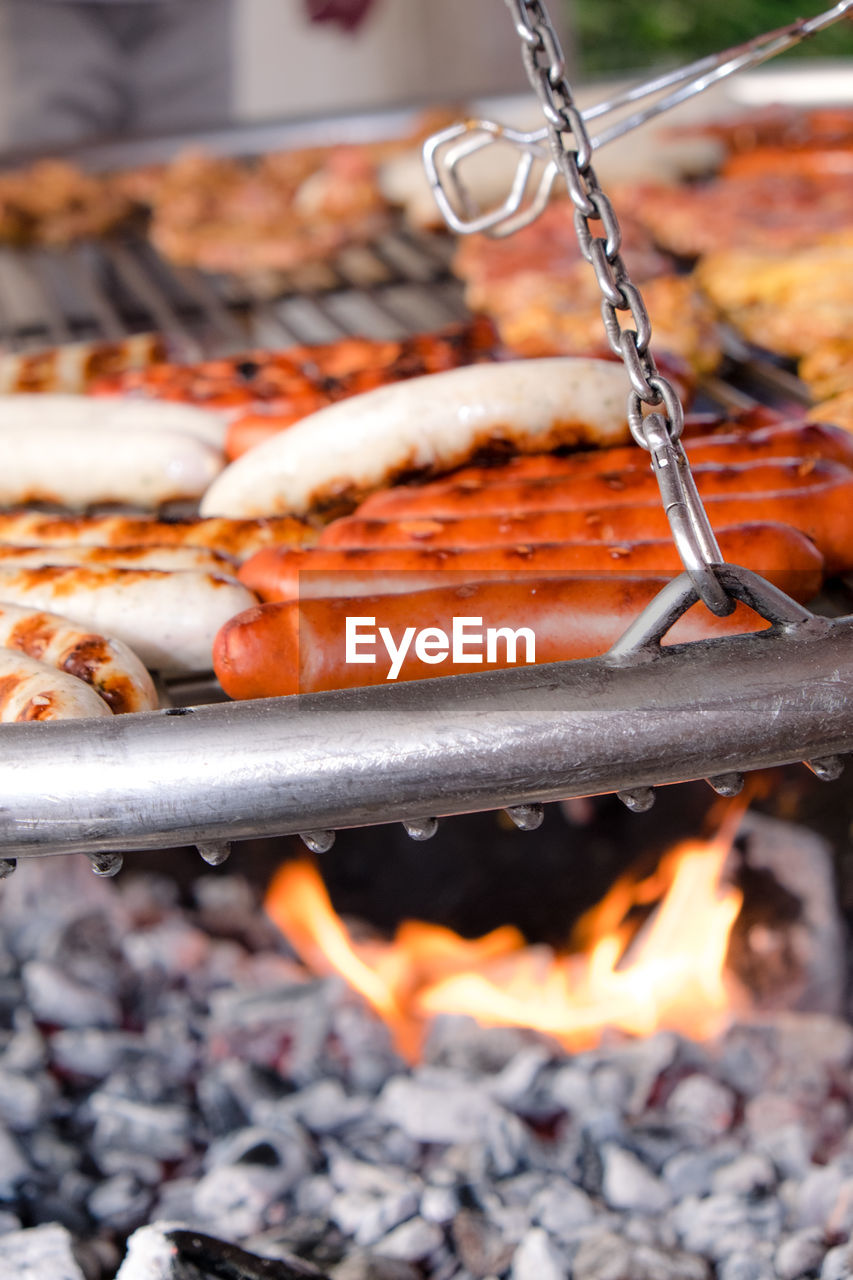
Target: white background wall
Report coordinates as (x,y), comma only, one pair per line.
(407,50)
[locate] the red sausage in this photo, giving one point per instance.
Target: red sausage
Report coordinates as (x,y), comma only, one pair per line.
(794,441)
(778,552)
(301,647)
(823,513)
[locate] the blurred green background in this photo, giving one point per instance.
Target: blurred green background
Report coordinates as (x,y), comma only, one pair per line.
(620,35)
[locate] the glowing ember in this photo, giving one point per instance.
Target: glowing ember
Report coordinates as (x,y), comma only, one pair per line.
(668,973)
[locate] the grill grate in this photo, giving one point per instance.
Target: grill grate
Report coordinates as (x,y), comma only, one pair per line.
(108,289)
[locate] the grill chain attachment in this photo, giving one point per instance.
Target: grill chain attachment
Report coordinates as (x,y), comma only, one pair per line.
(658,432)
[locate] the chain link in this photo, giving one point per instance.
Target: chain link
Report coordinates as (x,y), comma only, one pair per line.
(572,150)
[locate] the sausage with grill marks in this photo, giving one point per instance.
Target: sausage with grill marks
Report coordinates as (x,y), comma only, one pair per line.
(778,552)
(796,442)
(332,459)
(236,538)
(169,559)
(823,512)
(108,666)
(168,619)
(550,493)
(32,690)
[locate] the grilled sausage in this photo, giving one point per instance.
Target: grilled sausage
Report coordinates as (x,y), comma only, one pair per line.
(333,458)
(25,414)
(90,464)
(168,619)
(235,538)
(300,647)
(823,513)
(553,493)
(778,552)
(797,441)
(108,666)
(31,690)
(168,559)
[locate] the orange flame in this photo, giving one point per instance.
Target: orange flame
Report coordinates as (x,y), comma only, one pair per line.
(669,973)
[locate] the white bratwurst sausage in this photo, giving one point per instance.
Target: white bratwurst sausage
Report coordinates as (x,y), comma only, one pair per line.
(333,458)
(31,690)
(168,559)
(168,619)
(118,413)
(108,666)
(77,451)
(235,538)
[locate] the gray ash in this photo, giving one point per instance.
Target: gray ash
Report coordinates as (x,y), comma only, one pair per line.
(168,1069)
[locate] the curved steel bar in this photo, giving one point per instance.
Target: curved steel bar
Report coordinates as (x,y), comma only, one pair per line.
(452,745)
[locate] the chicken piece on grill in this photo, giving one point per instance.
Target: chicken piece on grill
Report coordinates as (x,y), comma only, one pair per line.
(775,211)
(545,299)
(55,203)
(828,370)
(273,214)
(792,302)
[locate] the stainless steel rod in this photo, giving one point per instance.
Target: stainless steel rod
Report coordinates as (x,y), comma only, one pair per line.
(454,745)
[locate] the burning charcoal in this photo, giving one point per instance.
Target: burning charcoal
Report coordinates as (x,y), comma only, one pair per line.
(171,947)
(439,1204)
(27,1049)
(513,1085)
(39,1253)
(840,1220)
(838,1263)
(747,1266)
(323,1107)
(45,896)
(9,1222)
(775,1123)
(437,1109)
(159,1131)
(607,1256)
(286,1150)
(460,1043)
(561,1208)
(722,1224)
(25,1101)
(628,1184)
(751,1174)
(365,1046)
(480,1246)
(239,1199)
(538,1258)
(411,1241)
(570,1087)
(374,1142)
(313,1195)
(93,1053)
(702,1106)
(817,1195)
(14,1167)
(367,1218)
(175,1202)
(56,998)
(800,1255)
(363,1266)
(120,1203)
(145,1169)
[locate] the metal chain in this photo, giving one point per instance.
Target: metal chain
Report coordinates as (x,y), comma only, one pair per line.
(659,432)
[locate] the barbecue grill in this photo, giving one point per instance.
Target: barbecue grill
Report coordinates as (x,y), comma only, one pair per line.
(639,716)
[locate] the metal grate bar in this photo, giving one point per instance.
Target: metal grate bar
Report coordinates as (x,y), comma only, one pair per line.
(155,301)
